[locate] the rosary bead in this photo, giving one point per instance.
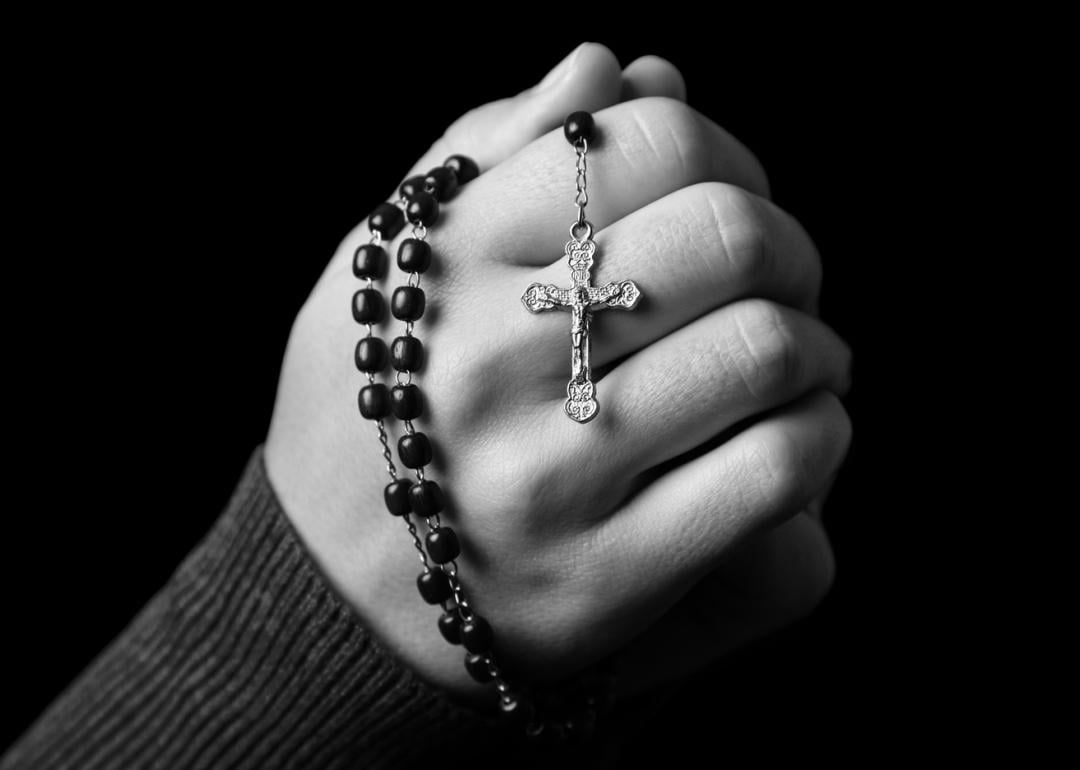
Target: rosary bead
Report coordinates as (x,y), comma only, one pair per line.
(423,209)
(396,496)
(477,667)
(388,219)
(412,186)
(476,634)
(434,586)
(407,354)
(414,449)
(414,255)
(374,401)
(407,304)
(371,354)
(465,168)
(516,708)
(426,498)
(368,306)
(369,261)
(443,546)
(450,626)
(441,182)
(578,125)
(405,402)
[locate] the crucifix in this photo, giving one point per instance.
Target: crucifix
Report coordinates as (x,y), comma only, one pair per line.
(580,299)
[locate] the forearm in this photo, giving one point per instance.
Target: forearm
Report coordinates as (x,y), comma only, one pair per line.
(245,658)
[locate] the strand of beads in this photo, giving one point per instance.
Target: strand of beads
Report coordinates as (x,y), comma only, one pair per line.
(459,623)
(438,582)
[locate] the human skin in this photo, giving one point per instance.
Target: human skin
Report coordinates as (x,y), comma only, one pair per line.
(685,519)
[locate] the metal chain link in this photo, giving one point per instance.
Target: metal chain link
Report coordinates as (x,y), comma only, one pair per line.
(581,196)
(386,453)
(417,542)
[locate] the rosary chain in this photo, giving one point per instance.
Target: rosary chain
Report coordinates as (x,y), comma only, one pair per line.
(581,196)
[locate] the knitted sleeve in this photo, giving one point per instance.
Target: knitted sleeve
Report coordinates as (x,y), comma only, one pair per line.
(247,658)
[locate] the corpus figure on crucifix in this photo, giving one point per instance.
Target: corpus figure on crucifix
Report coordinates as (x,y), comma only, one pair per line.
(580,299)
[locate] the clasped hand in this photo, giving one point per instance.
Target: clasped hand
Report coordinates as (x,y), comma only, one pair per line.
(682,521)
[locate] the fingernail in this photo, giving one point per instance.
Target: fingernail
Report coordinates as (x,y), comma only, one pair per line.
(560,70)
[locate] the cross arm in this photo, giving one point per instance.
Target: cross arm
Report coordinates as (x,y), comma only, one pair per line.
(620,294)
(545,296)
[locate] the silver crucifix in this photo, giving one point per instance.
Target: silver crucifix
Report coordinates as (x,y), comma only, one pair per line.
(580,299)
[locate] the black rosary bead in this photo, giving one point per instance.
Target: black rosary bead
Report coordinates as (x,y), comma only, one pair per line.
(412,186)
(517,709)
(396,496)
(442,182)
(414,255)
(405,402)
(477,667)
(371,354)
(465,168)
(421,197)
(442,545)
(369,261)
(423,209)
(374,401)
(476,634)
(450,626)
(368,306)
(579,125)
(408,303)
(388,219)
(434,586)
(426,498)
(414,449)
(407,354)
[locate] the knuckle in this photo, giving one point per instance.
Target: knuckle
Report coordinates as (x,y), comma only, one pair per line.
(792,464)
(834,431)
(766,355)
(783,471)
(739,227)
(837,430)
(669,131)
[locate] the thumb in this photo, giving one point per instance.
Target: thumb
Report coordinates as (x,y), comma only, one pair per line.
(653,76)
(588,78)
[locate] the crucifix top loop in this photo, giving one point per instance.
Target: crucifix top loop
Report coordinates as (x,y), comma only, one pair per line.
(580,224)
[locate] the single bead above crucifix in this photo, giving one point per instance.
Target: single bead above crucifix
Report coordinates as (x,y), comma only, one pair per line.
(580,299)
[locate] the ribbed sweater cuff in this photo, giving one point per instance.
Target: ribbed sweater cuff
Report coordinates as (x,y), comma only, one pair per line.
(247,658)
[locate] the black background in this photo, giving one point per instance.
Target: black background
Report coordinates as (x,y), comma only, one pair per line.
(181,195)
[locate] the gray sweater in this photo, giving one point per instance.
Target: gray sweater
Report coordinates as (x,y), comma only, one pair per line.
(248,658)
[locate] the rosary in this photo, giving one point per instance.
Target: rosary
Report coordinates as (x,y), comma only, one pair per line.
(571,710)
